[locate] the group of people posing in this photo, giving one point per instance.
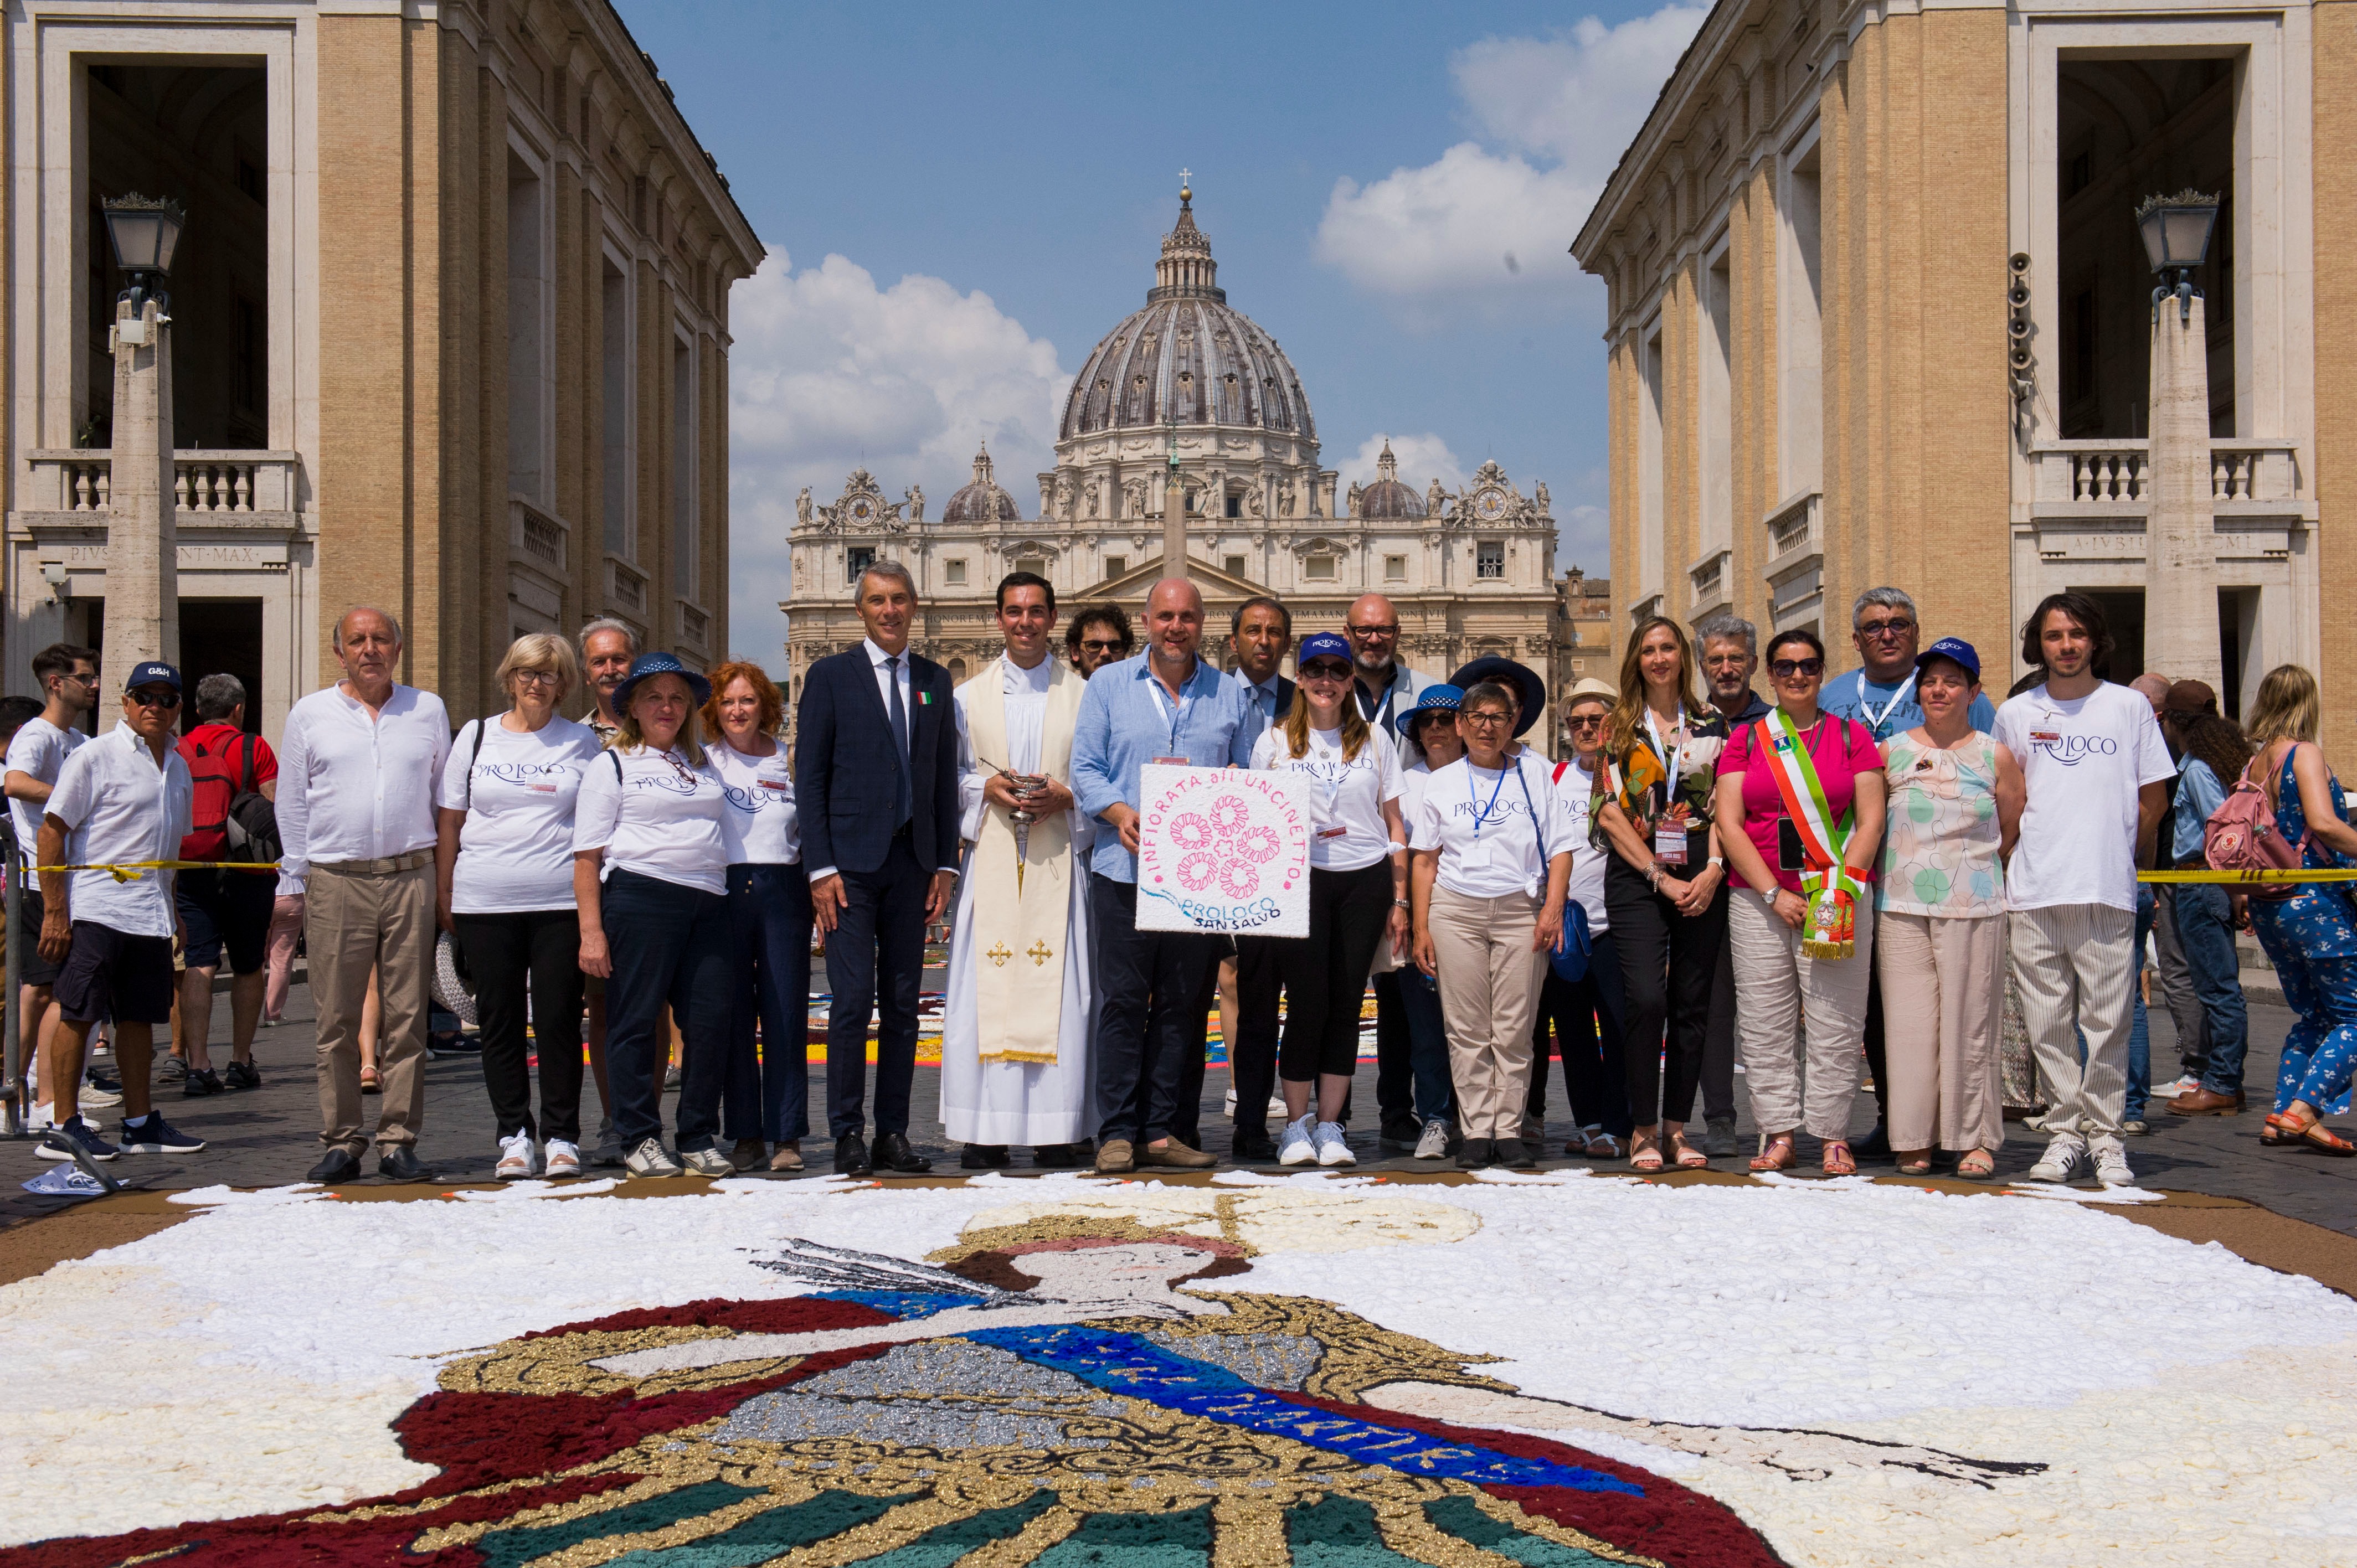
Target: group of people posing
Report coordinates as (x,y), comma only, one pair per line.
(1855,877)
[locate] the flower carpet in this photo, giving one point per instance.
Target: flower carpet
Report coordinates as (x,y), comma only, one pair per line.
(1558,1371)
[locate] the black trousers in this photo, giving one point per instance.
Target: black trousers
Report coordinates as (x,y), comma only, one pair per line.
(1394,1066)
(1148,983)
(1668,964)
(511,956)
(1326,972)
(1718,1045)
(875,959)
(1874,1058)
(1585,1021)
(1252,1055)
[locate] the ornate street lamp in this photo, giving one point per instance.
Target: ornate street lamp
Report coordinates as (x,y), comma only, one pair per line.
(144,231)
(2176,232)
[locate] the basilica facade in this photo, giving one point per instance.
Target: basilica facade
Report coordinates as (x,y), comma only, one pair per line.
(1189,401)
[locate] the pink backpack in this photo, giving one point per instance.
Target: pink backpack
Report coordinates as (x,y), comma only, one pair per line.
(2242,835)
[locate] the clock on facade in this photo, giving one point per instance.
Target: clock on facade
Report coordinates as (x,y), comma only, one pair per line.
(863,510)
(1489,505)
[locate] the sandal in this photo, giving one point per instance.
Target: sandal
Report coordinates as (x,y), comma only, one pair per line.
(1978,1165)
(1920,1166)
(371,1083)
(1777,1156)
(1689,1157)
(2307,1134)
(1645,1156)
(1601,1145)
(1838,1160)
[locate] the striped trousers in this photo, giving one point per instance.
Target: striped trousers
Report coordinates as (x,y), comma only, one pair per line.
(2074,965)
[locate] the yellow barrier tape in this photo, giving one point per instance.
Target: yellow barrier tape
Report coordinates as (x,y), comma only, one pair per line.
(125,870)
(2247,877)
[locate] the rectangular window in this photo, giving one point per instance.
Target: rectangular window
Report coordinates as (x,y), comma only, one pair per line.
(1650,461)
(1034,564)
(1236,504)
(686,527)
(1233,565)
(1394,568)
(1800,338)
(1318,569)
(252,373)
(1115,565)
(855,560)
(1717,406)
(614,389)
(1490,558)
(953,574)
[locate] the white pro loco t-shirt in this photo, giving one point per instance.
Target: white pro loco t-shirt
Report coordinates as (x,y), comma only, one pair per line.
(1345,798)
(760,827)
(1495,829)
(660,818)
(2083,761)
(1575,792)
(515,849)
(39,749)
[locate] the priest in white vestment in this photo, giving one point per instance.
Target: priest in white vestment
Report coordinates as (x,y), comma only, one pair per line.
(1020,1016)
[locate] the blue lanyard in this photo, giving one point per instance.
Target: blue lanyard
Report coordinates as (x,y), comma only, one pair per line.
(1481,812)
(1161,703)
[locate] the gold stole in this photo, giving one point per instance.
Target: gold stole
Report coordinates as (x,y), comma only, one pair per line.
(1022,893)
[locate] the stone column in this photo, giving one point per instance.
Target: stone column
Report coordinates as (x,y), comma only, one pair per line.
(1174,522)
(143,590)
(2180,595)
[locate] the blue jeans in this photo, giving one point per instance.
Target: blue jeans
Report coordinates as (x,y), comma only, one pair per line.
(670,949)
(2205,933)
(2140,1034)
(1428,1044)
(767,1095)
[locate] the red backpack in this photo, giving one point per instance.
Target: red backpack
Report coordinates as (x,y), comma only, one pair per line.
(2242,835)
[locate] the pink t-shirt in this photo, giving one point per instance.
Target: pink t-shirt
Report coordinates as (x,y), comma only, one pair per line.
(1840,749)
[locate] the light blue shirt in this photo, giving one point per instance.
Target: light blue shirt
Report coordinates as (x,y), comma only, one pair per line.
(2198,793)
(1850,693)
(1128,720)
(1262,695)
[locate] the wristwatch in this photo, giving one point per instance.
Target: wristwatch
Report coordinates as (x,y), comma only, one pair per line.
(1400,903)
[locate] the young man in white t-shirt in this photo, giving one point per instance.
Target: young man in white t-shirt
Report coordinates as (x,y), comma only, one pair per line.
(2096,768)
(67,676)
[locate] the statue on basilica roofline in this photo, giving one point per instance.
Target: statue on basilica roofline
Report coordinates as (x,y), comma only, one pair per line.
(915,495)
(1356,491)
(1539,499)
(802,508)
(1435,500)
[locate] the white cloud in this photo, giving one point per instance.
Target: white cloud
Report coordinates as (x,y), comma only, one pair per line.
(829,372)
(1486,221)
(1422,458)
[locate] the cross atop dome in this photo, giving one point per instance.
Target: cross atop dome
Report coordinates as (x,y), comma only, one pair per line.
(1386,466)
(1186,267)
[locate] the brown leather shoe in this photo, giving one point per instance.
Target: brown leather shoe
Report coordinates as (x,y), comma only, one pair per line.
(1176,1156)
(2206,1102)
(1114,1157)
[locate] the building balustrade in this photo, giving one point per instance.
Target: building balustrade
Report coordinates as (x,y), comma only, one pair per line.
(233,483)
(536,537)
(626,586)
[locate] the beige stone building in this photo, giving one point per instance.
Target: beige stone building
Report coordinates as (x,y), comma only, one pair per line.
(1592,651)
(450,327)
(1841,219)
(1189,377)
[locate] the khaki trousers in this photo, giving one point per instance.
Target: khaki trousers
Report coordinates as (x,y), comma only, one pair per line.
(2075,965)
(1943,1016)
(355,922)
(1794,1009)
(1489,979)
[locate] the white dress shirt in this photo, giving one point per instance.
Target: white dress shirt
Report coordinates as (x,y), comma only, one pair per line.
(119,805)
(350,787)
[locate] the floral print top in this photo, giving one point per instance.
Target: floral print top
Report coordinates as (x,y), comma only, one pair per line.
(1940,846)
(1639,778)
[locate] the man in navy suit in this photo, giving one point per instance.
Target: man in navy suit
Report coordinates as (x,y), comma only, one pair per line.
(875,786)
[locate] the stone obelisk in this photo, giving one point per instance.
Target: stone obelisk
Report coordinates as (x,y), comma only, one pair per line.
(143,589)
(2180,595)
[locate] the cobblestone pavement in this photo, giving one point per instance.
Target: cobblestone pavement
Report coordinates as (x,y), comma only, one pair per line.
(268,1136)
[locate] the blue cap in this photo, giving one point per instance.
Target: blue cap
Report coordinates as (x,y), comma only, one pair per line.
(152,672)
(1955,649)
(1322,645)
(647,664)
(1439,699)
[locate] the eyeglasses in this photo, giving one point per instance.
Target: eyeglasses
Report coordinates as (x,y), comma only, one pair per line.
(1095,645)
(1325,670)
(538,678)
(1896,625)
(78,678)
(1368,633)
(1484,720)
(157,699)
(1586,721)
(1786,669)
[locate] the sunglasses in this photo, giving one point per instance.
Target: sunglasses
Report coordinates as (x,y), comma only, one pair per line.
(157,699)
(1325,670)
(1898,626)
(1586,721)
(1095,646)
(1785,669)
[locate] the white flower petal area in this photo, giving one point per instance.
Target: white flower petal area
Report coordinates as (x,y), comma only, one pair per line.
(2187,1407)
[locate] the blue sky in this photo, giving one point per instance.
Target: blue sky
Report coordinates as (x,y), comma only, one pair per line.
(959,202)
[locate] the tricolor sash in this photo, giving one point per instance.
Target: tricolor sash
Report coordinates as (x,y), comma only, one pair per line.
(1830,930)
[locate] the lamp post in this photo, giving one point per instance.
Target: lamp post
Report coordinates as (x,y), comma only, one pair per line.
(143,597)
(2180,547)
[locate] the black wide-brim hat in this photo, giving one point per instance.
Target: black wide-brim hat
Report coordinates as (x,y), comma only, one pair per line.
(647,664)
(1520,676)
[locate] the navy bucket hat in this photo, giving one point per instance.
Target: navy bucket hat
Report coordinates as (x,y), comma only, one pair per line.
(647,664)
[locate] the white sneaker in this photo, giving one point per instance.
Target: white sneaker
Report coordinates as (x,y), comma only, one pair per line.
(92,1095)
(711,1162)
(2112,1166)
(650,1158)
(1277,1105)
(2185,1085)
(1333,1149)
(2061,1161)
(44,1117)
(1294,1146)
(1433,1144)
(564,1158)
(518,1159)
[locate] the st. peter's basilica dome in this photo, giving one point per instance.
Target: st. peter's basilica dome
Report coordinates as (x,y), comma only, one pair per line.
(983,500)
(1187,358)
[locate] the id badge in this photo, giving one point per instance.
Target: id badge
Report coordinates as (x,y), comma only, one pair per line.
(1333,833)
(1476,856)
(1172,762)
(1669,845)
